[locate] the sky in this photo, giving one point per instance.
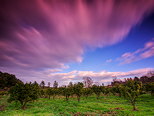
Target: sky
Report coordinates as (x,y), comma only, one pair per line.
(66,40)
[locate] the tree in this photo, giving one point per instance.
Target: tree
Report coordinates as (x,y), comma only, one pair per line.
(48,84)
(42,84)
(131,90)
(116,89)
(55,84)
(70,84)
(77,89)
(150,87)
(87,82)
(42,93)
(66,91)
(8,80)
(87,92)
(50,92)
(24,93)
(97,90)
(102,88)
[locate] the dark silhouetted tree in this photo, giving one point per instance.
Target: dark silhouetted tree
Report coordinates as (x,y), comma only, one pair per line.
(8,80)
(48,84)
(55,84)
(42,84)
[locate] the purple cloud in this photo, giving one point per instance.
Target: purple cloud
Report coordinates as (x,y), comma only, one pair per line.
(47,34)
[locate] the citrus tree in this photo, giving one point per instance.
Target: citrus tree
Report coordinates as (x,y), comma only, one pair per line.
(24,93)
(131,90)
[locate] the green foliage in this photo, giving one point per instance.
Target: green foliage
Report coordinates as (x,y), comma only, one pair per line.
(131,90)
(77,89)
(97,90)
(24,93)
(49,92)
(87,92)
(150,87)
(107,90)
(42,93)
(52,92)
(8,80)
(116,89)
(66,91)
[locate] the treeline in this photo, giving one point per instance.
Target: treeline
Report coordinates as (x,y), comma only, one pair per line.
(129,88)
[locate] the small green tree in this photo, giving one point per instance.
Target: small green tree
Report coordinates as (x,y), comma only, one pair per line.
(50,92)
(106,90)
(150,88)
(24,93)
(97,90)
(116,89)
(66,91)
(131,90)
(77,89)
(42,93)
(87,92)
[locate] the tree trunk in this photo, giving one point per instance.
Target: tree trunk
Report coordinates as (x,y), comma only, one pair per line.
(78,97)
(23,106)
(134,107)
(66,98)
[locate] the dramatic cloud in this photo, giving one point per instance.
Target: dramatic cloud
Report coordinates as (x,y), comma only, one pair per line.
(142,53)
(42,34)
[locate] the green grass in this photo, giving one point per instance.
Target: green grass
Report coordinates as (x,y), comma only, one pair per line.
(105,106)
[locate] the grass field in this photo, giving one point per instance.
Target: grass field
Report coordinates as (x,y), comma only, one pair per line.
(105,106)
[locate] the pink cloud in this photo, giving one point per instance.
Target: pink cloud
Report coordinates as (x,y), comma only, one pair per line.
(47,34)
(140,54)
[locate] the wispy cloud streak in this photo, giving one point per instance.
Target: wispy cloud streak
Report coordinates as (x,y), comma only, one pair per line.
(146,52)
(48,34)
(38,35)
